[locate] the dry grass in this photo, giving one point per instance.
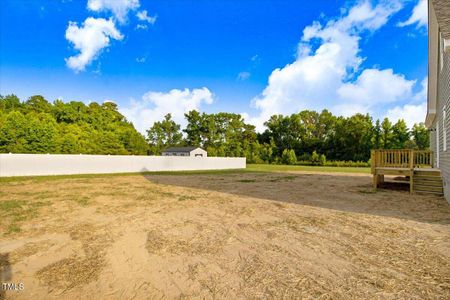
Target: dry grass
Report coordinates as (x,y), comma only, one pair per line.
(243,235)
(83,267)
(204,241)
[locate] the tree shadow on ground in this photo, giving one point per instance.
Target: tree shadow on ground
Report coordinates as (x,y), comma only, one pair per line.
(341,192)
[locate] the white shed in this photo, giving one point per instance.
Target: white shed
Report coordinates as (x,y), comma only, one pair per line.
(185,151)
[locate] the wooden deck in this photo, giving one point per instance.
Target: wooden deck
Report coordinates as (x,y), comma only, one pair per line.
(415,165)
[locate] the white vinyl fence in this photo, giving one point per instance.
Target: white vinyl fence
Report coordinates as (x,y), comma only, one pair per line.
(62,164)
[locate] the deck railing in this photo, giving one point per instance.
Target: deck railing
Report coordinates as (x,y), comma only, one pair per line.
(401,158)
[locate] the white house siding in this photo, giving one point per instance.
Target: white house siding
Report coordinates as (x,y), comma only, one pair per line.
(193,153)
(443,99)
(199,152)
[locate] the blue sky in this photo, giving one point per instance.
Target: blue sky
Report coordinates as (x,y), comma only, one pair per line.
(251,57)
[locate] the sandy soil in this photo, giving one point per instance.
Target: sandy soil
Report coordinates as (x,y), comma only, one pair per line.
(251,235)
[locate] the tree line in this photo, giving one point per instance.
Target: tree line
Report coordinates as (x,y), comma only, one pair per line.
(37,126)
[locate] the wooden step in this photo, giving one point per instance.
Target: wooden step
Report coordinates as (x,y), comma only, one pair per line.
(427,173)
(428,192)
(431,178)
(428,182)
(428,188)
(427,178)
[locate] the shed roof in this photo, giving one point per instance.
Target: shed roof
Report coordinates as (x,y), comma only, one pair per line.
(442,9)
(180,149)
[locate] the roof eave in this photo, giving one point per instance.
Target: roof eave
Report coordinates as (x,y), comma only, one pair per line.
(431,115)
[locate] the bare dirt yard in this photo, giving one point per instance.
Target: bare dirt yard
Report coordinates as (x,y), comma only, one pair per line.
(222,235)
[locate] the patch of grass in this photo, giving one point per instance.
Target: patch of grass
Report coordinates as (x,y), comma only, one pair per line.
(6,207)
(281,168)
(81,200)
(13,228)
(283,178)
(186,197)
(163,193)
(246,180)
(45,195)
(14,211)
(87,176)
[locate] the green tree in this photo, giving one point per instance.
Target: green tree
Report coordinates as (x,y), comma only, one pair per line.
(71,112)
(194,128)
(315,158)
(41,133)
(288,157)
(386,131)
(421,136)
(353,138)
(400,135)
(38,104)
(133,141)
(377,135)
(266,152)
(164,134)
(13,133)
(252,153)
(322,159)
(67,144)
(10,102)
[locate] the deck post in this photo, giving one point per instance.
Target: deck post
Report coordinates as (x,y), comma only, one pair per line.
(373,162)
(431,159)
(411,171)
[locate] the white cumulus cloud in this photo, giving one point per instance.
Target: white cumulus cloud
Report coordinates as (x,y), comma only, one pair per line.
(119,8)
(89,39)
(155,105)
(143,16)
(413,112)
(325,72)
(419,15)
(375,87)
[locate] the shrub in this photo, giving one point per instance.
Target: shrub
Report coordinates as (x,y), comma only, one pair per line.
(288,157)
(315,158)
(355,164)
(304,157)
(304,163)
(322,159)
(318,159)
(336,163)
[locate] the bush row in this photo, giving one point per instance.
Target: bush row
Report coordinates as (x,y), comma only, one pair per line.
(289,158)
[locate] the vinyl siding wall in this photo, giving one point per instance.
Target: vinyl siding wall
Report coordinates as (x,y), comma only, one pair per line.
(441,126)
